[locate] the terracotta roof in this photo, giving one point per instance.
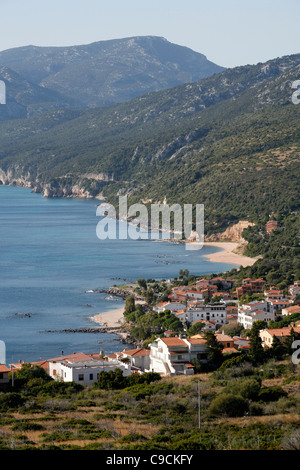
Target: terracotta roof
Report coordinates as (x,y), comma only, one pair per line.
(173,341)
(285,331)
(137,352)
(43,364)
(221,337)
(228,350)
(294,308)
(3,368)
(72,357)
(197,340)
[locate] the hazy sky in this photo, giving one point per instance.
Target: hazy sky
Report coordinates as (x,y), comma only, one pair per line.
(228,32)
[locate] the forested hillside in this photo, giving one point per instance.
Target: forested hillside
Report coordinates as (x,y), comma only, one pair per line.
(230,142)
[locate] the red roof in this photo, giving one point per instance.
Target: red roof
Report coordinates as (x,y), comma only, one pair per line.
(197,341)
(173,341)
(137,352)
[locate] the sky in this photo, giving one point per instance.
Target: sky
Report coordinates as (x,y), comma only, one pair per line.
(228,32)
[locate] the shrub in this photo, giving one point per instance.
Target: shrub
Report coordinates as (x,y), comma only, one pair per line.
(267,394)
(245,387)
(54,388)
(132,437)
(27,426)
(11,400)
(228,405)
(255,409)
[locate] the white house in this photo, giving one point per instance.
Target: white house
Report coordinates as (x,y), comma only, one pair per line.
(173,356)
(83,368)
(254,311)
(138,358)
(294,289)
(163,306)
(290,310)
(216,313)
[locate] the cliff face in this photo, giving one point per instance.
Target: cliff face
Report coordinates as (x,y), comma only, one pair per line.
(233,233)
(56,188)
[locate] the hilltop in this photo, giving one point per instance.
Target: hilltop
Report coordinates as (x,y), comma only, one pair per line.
(104,72)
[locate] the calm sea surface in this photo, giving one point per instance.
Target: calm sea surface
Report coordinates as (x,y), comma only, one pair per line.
(50,256)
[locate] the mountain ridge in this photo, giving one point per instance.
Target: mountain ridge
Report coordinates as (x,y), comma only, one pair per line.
(238,127)
(108,72)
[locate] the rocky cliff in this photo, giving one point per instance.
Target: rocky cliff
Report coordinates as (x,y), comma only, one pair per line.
(232,234)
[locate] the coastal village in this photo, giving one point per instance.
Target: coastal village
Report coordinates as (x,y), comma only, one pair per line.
(211,304)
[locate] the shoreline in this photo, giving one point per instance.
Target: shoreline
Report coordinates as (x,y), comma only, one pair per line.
(111,318)
(115,319)
(227,254)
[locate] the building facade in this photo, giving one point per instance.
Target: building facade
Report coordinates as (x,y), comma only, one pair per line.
(173,356)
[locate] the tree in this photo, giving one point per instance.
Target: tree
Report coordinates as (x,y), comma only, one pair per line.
(195,328)
(215,356)
(278,349)
(142,283)
(27,373)
(129,304)
(256,351)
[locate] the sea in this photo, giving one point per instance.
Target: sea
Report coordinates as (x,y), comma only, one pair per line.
(53,265)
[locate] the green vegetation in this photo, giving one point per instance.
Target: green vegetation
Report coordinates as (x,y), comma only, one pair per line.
(242,407)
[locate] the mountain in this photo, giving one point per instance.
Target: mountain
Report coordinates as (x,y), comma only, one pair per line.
(230,141)
(25,99)
(109,72)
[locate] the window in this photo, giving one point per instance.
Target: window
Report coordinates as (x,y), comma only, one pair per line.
(1,375)
(80,377)
(91,376)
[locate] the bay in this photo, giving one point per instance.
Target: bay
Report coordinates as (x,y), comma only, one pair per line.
(50,256)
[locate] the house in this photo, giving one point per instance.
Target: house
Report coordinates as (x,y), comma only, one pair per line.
(209,312)
(138,358)
(225,296)
(164,306)
(270,226)
(4,377)
(290,310)
(294,289)
(250,286)
(278,305)
(225,284)
(226,340)
(202,283)
(182,295)
(274,294)
(173,356)
(232,310)
(267,335)
(83,368)
(241,343)
(209,325)
(253,311)
(18,365)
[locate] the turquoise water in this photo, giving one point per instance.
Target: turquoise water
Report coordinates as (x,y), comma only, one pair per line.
(50,255)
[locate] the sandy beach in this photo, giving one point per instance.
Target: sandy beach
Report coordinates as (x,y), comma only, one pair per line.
(114,318)
(110,319)
(227,254)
